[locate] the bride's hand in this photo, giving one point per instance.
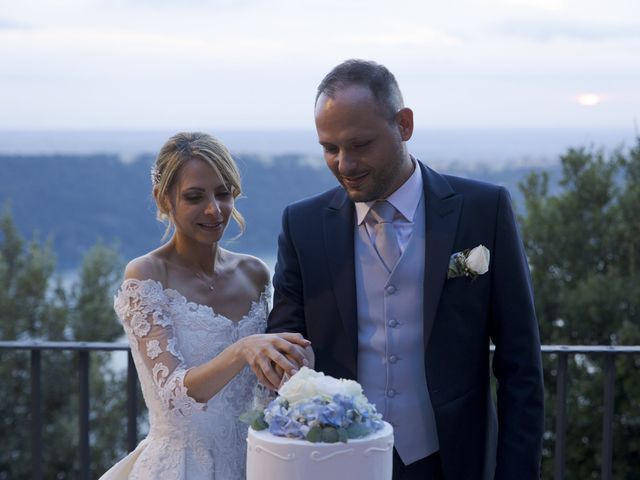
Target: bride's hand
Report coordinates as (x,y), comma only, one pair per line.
(310,362)
(262,352)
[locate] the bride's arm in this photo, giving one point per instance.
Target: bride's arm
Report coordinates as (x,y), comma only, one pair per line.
(257,351)
(140,305)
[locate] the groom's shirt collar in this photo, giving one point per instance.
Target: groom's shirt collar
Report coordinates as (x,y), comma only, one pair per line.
(405,199)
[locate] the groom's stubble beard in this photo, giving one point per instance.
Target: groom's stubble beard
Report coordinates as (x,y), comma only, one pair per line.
(383,181)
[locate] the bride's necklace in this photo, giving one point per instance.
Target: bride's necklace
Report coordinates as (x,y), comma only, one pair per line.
(209,282)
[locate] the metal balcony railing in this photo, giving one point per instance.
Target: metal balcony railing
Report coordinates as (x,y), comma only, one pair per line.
(84,348)
(563,352)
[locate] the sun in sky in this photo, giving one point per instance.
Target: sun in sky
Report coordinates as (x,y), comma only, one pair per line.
(589,99)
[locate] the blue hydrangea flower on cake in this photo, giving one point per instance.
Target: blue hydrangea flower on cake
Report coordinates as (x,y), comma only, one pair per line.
(320,408)
(317,426)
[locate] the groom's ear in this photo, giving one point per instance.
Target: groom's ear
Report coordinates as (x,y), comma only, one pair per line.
(404,120)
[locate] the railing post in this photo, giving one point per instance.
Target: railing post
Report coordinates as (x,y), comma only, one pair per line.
(132,404)
(83,441)
(36,415)
(606,472)
(561,417)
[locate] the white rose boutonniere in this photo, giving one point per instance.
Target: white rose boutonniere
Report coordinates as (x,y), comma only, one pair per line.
(469,262)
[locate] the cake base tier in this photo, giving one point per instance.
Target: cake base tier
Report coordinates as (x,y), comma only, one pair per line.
(271,457)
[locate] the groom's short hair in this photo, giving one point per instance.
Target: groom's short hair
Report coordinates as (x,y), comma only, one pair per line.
(377,78)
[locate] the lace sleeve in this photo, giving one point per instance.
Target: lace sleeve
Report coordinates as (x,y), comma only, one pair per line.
(141,306)
(267,298)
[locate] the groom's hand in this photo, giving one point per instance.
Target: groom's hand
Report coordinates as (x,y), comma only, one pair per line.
(309,361)
(272,355)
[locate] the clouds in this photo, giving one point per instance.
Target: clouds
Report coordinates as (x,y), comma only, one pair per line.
(546,31)
(6,24)
(256,63)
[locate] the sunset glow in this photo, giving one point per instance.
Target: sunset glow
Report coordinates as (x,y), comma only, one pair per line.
(589,100)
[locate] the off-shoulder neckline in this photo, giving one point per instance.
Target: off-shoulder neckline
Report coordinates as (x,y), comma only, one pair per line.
(189,303)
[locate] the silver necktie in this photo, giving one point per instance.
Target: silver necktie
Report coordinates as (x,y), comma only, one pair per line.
(386,239)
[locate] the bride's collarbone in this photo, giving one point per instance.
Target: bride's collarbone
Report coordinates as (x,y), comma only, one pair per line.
(226,301)
(228,291)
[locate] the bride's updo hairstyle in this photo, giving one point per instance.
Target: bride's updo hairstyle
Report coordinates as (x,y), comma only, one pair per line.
(177,151)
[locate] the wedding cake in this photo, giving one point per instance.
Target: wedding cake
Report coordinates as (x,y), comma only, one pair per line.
(319,427)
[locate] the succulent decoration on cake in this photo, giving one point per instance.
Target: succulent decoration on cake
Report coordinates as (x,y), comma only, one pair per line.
(317,408)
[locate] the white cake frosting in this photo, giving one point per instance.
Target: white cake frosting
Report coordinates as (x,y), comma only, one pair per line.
(270,457)
(359,445)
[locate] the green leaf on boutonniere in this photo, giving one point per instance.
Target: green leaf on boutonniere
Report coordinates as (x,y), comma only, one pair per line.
(343,435)
(458,265)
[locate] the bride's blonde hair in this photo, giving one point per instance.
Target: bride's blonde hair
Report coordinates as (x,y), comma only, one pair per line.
(177,151)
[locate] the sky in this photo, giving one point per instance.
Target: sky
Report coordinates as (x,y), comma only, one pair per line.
(255,64)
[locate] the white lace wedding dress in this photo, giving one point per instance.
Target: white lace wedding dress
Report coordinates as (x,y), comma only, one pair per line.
(168,335)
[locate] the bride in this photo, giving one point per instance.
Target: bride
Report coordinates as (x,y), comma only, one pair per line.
(194,314)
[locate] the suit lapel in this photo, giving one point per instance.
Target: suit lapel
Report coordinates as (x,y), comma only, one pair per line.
(443,208)
(338,240)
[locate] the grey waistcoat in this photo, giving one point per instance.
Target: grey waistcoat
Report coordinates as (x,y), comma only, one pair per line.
(391,343)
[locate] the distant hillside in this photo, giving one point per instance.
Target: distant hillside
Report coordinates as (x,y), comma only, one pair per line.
(77,200)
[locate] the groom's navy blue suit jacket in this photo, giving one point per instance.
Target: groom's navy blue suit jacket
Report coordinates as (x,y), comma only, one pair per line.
(315,294)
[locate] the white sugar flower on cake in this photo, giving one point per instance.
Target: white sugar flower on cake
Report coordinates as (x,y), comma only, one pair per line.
(318,408)
(308,383)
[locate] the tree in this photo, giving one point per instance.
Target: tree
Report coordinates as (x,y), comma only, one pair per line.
(24,272)
(34,304)
(583,244)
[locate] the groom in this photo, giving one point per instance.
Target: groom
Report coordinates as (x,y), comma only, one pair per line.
(362,272)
